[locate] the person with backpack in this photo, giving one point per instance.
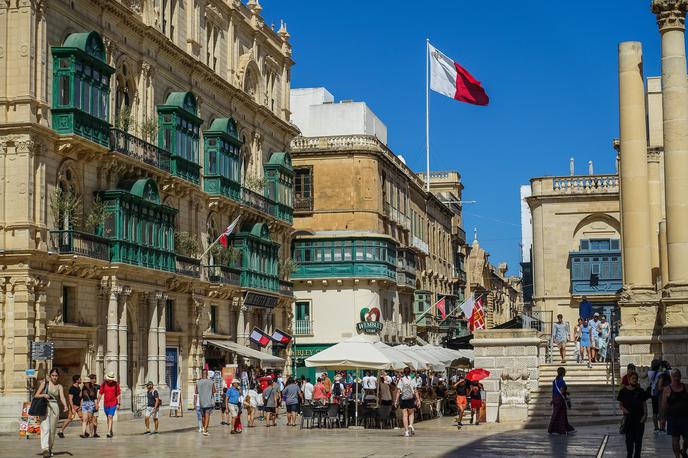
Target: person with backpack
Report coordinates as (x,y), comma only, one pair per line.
(653,392)
(337,390)
(270,401)
(251,404)
(408,399)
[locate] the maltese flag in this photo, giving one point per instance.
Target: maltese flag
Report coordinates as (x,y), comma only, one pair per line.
(224,238)
(449,78)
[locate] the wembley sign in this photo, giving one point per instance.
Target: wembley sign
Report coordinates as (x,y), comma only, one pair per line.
(370,321)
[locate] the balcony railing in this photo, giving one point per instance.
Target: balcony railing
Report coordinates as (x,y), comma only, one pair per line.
(303,203)
(255,200)
(224,275)
(303,327)
(421,245)
(126,143)
(406,279)
(188,266)
(286,288)
(259,280)
(585,184)
(80,243)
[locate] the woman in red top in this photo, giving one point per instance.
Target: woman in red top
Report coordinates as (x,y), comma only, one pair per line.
(319,392)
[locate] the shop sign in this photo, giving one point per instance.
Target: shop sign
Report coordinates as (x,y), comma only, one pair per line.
(42,351)
(370,321)
(259,300)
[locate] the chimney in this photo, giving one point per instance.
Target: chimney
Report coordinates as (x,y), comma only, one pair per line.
(590,169)
(572,171)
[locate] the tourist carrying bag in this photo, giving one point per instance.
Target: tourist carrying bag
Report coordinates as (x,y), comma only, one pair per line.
(566,399)
(39,406)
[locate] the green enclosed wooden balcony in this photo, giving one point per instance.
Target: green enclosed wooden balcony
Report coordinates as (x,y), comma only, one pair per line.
(80,244)
(222,186)
(140,255)
(185,169)
(346,269)
(259,280)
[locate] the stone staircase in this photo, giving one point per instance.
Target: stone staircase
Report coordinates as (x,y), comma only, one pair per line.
(593,396)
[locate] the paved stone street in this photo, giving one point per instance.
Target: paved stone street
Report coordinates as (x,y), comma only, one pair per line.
(435,438)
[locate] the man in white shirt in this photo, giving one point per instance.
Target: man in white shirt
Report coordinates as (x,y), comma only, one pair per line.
(595,334)
(308,391)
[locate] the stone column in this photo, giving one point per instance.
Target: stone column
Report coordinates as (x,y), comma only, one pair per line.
(663,252)
(671,21)
(162,344)
(123,357)
(634,179)
(538,257)
(242,322)
(655,201)
(152,358)
(112,344)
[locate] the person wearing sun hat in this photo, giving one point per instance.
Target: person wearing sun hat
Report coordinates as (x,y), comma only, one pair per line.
(233,401)
(110,392)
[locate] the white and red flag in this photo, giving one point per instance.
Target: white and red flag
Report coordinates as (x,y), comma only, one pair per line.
(224,238)
(449,78)
(259,337)
(442,307)
(280,336)
(474,313)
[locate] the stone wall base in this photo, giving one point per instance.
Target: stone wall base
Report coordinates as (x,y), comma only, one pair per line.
(10,412)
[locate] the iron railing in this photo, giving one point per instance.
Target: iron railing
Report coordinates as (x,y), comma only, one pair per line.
(188,266)
(80,243)
(303,327)
(126,143)
(224,275)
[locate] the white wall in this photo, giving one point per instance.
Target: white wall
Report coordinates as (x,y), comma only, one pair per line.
(315,114)
(526,224)
(335,310)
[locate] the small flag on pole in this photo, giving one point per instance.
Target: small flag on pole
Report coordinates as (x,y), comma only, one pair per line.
(449,78)
(281,337)
(442,307)
(259,337)
(224,238)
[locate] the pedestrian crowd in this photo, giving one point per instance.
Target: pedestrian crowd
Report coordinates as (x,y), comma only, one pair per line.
(669,401)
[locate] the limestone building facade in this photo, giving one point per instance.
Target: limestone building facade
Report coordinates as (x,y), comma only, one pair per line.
(132,133)
(369,239)
(576,248)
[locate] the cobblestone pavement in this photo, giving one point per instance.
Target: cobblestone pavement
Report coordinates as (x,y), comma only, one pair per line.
(435,438)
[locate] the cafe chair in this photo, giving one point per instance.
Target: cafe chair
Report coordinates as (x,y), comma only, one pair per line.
(307,416)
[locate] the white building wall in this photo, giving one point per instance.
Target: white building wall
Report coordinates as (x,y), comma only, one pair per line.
(315,114)
(526,224)
(336,309)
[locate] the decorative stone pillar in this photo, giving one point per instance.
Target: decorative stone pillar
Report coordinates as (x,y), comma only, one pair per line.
(112,344)
(162,344)
(639,301)
(671,16)
(152,357)
(242,322)
(633,171)
(123,357)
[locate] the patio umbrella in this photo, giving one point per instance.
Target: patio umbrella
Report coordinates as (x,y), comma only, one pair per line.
(476,375)
(398,359)
(358,352)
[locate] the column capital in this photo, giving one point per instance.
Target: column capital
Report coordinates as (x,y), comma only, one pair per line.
(671,14)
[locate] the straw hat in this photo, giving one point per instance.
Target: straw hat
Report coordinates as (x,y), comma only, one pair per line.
(235,382)
(110,376)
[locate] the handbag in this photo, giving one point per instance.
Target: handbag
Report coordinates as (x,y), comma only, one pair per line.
(39,406)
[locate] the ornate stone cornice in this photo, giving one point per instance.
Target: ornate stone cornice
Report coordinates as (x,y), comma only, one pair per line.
(671,14)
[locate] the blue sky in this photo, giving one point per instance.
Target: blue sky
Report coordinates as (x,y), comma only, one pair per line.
(550,69)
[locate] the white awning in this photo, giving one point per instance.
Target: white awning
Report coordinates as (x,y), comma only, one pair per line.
(265,359)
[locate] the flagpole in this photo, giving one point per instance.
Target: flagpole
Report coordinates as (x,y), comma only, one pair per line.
(427,114)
